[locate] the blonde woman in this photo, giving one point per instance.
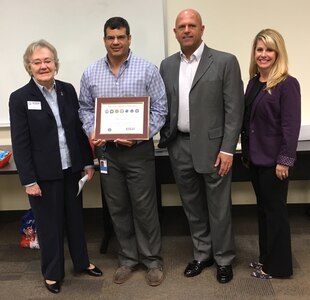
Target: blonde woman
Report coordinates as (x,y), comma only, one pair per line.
(269,141)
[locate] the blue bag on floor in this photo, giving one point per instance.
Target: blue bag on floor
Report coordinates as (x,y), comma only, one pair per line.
(28,231)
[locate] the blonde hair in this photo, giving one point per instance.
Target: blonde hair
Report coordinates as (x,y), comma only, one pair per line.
(279,71)
(32,47)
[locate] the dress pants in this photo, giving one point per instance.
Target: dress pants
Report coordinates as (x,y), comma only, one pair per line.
(273,224)
(207,204)
(130,192)
(57,210)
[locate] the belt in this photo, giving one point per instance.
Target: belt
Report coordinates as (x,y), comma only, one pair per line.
(184,134)
(116,145)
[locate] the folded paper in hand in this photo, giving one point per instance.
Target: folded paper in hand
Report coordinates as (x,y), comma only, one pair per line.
(82,181)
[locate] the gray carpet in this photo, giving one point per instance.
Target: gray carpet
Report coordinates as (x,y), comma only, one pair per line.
(20,276)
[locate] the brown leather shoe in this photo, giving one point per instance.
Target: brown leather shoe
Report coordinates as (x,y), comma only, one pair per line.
(122,274)
(154,276)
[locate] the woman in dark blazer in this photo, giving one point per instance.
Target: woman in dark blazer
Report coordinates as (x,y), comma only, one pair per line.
(50,150)
(269,141)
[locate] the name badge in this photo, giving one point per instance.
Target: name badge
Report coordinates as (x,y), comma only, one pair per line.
(103,166)
(34,105)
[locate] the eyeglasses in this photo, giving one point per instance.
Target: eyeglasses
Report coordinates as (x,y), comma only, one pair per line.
(111,38)
(38,62)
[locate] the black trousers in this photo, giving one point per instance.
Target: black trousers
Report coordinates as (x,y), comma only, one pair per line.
(56,211)
(273,223)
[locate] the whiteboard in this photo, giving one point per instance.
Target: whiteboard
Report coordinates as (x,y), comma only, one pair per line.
(75,28)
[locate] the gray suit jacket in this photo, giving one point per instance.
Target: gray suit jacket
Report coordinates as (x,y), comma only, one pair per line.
(216,106)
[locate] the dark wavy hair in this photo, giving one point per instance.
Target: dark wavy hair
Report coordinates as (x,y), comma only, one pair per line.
(116,23)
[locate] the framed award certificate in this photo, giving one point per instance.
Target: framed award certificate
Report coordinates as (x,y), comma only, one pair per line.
(122,118)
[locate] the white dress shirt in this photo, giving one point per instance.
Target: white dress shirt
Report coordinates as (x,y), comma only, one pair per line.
(187,73)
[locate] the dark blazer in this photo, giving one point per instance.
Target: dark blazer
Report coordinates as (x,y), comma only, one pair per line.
(216,106)
(35,137)
(275,123)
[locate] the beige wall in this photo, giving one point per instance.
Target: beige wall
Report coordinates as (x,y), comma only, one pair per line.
(230,26)
(13,197)
(5,137)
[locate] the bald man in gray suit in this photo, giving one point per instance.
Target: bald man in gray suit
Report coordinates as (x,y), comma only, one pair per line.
(206,102)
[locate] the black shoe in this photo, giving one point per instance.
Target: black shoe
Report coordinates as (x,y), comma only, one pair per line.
(94,271)
(195,267)
(54,287)
(224,273)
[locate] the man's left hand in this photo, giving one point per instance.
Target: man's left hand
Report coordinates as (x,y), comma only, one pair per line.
(225,162)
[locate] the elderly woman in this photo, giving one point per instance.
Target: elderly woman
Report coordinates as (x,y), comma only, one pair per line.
(50,150)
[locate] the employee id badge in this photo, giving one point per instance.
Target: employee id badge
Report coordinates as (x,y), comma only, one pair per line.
(103,166)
